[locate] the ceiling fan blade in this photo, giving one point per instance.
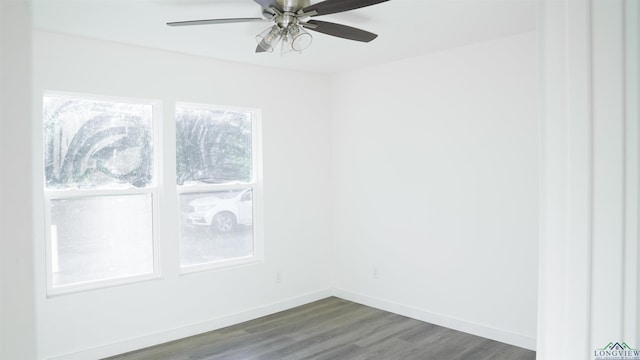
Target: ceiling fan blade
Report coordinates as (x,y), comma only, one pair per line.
(215,21)
(341,31)
(335,6)
(269,4)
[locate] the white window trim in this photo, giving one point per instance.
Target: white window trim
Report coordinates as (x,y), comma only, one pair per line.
(255,185)
(154,191)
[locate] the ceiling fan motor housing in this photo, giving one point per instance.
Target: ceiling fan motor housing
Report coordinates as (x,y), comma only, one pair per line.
(286,19)
(293,5)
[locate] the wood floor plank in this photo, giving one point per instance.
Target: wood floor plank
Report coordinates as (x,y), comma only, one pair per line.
(394,348)
(332,329)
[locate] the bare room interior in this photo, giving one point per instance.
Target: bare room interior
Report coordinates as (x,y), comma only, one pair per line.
(474,165)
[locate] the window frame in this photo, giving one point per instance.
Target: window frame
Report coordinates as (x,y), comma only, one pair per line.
(62,194)
(255,185)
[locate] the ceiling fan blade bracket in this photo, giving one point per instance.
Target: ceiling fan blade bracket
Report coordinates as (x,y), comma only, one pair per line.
(269,13)
(301,13)
(307,25)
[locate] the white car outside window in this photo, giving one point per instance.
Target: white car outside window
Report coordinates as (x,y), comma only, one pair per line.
(221,211)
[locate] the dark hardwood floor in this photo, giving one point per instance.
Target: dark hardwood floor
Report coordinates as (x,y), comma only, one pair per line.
(333,329)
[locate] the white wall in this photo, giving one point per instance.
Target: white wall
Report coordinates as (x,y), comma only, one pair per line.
(17,327)
(296,131)
(435,177)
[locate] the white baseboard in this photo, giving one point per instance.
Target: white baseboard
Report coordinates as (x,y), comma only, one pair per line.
(193,329)
(441,320)
(213,324)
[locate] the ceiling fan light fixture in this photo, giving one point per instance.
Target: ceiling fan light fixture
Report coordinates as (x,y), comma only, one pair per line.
(294,40)
(300,38)
(269,38)
(286,49)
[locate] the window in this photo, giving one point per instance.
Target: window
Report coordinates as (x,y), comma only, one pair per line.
(100,191)
(218,177)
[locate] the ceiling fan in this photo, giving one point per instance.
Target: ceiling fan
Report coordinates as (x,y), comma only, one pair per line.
(292,17)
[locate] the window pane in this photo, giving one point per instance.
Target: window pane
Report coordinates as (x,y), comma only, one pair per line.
(100,238)
(216,226)
(213,145)
(90,144)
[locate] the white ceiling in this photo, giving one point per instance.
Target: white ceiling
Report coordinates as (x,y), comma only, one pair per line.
(405,27)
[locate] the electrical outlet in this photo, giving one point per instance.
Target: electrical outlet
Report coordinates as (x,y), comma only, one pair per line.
(278,277)
(376,273)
